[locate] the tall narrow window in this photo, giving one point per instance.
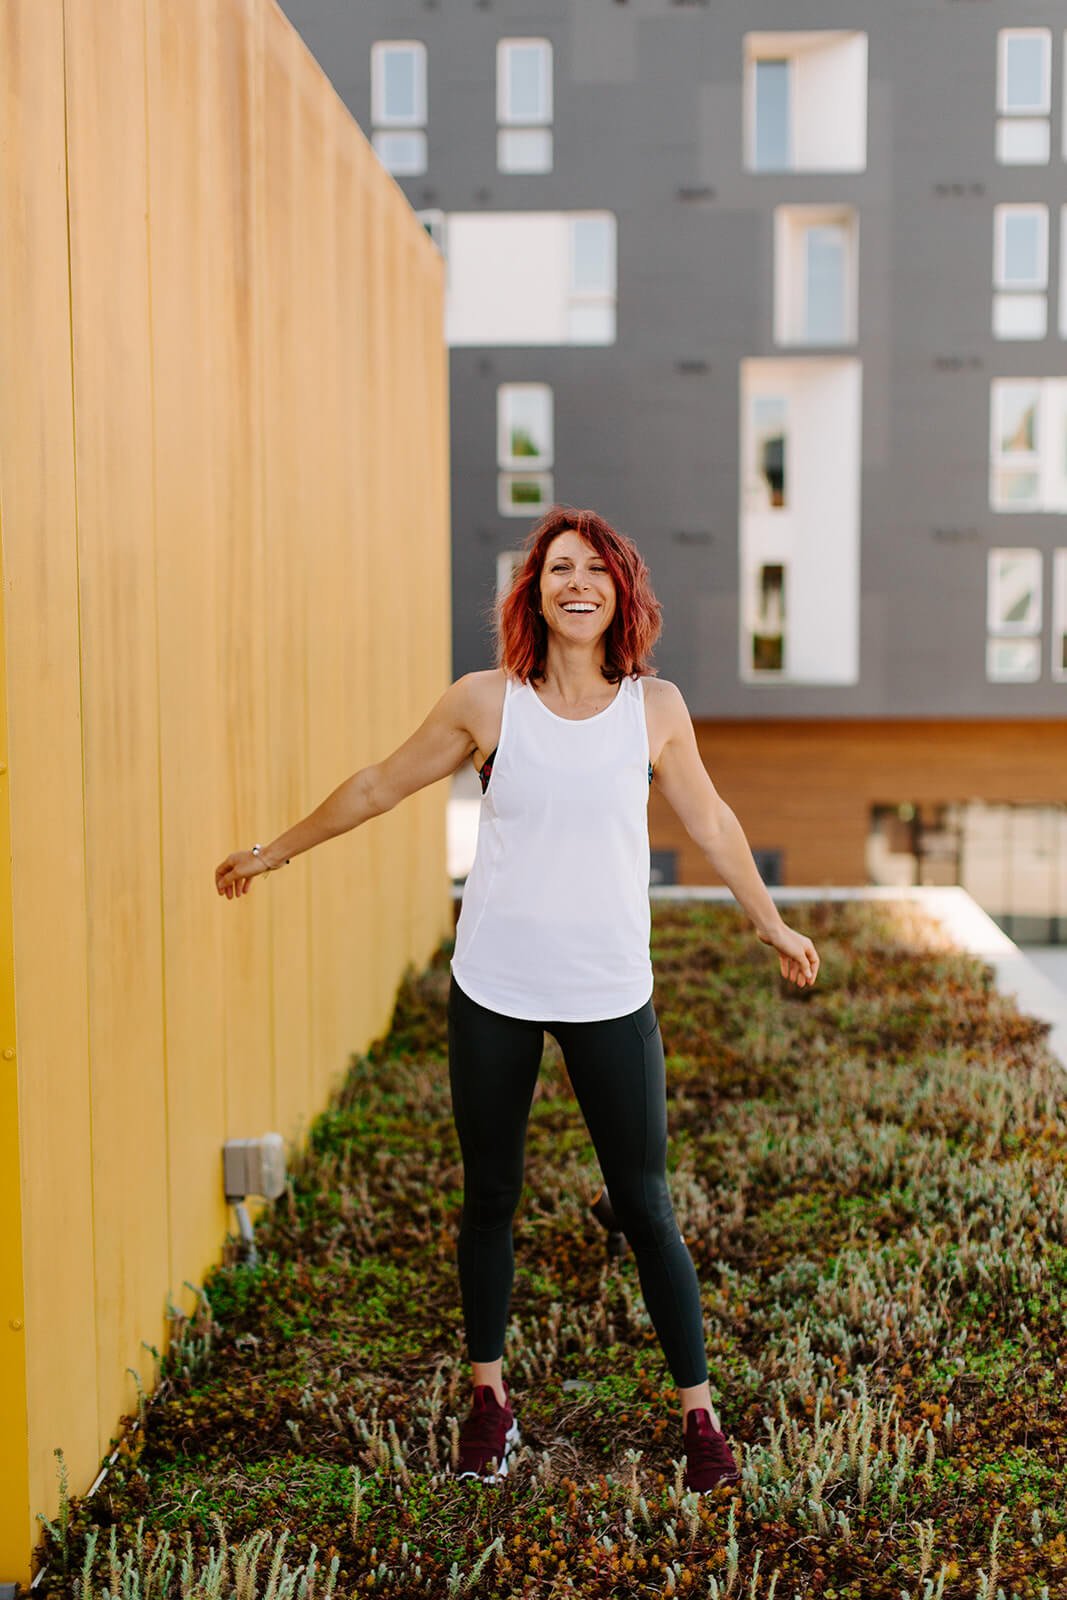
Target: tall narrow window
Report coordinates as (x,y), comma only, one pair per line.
(1024,96)
(826,246)
(1028,444)
(767,468)
(773,145)
(1020,263)
(398,105)
(1013,620)
(768,632)
(815,274)
(524,105)
(1015,455)
(591,303)
(524,447)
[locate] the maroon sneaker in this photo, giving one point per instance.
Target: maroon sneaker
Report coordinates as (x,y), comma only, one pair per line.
(708,1460)
(487,1435)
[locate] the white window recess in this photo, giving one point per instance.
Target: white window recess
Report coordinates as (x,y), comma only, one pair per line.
(805,101)
(799,532)
(1013,615)
(524,448)
(1020,267)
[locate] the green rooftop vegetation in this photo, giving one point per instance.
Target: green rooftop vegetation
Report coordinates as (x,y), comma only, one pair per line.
(871,1177)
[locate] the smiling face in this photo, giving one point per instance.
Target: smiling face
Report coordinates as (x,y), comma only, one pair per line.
(577,590)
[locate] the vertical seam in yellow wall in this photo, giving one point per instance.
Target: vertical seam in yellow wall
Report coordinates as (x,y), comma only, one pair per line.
(155,611)
(81,685)
(258,257)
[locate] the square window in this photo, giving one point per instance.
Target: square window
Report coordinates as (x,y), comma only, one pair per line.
(519,494)
(524,150)
(403,154)
(524,81)
(1023,141)
(1024,70)
(1020,316)
(524,426)
(1013,660)
(398,83)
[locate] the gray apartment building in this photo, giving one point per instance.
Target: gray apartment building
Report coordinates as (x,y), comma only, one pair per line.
(780,289)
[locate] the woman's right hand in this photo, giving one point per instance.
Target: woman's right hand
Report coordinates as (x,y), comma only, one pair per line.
(234,875)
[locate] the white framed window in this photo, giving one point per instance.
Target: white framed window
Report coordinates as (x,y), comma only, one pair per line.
(1063,269)
(524,447)
(1024,96)
(524,105)
(398,105)
(520,494)
(1014,592)
(1059,615)
(524,425)
(1028,444)
(1020,246)
(1013,615)
(805,101)
(1020,266)
(1023,141)
(816,250)
(1013,660)
(1024,71)
(592,278)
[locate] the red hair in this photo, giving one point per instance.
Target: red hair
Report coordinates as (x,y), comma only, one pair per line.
(521,630)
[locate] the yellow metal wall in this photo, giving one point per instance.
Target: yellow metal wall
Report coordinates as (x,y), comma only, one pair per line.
(224,525)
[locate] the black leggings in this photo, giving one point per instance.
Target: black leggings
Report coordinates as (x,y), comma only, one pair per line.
(617,1072)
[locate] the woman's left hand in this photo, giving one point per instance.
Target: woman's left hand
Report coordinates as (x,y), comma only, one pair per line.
(797,955)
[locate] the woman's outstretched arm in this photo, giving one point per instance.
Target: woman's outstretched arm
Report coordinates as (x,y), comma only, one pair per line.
(712,825)
(433,751)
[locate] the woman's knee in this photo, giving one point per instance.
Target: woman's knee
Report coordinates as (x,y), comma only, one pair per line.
(644,1210)
(490,1206)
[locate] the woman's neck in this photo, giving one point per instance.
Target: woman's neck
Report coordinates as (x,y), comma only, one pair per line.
(573,675)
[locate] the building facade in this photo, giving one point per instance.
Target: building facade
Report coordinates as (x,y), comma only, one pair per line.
(788,305)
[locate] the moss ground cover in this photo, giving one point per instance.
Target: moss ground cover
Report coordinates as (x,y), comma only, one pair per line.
(872,1181)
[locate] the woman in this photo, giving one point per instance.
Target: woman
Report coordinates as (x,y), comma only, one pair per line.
(567,733)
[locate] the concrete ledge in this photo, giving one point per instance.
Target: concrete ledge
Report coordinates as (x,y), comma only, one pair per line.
(963,919)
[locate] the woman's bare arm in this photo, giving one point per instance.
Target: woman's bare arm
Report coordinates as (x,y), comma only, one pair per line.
(433,751)
(712,825)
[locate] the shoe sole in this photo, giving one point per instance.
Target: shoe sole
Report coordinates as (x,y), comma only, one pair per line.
(512,1437)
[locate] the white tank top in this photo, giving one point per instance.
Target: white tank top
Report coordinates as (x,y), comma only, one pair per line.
(555,920)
